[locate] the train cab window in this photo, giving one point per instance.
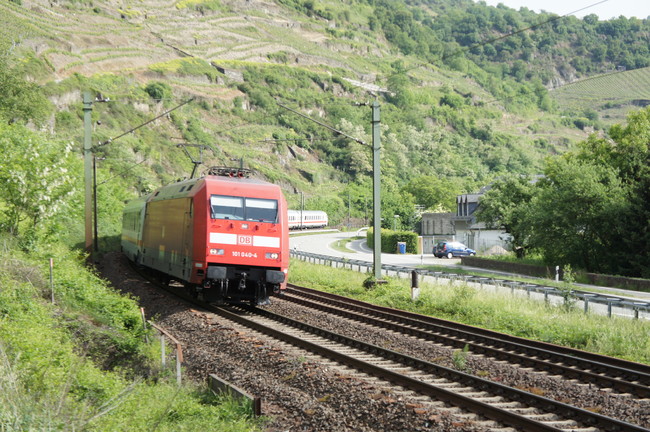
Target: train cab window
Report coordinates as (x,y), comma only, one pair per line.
(227,207)
(261,210)
(241,208)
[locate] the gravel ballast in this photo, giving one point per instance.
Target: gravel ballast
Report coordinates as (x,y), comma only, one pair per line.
(301,393)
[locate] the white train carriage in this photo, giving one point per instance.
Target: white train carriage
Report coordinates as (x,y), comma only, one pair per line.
(307,219)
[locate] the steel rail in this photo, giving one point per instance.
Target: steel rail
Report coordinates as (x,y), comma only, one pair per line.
(474,343)
(486,410)
(578,415)
(458,335)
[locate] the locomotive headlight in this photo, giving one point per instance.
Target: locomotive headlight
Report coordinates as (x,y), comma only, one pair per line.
(272,256)
(217,251)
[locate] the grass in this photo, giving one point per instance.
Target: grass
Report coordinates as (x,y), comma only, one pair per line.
(81,364)
(342,244)
(566,326)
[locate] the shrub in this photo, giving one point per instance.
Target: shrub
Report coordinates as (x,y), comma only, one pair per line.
(158,90)
(389,240)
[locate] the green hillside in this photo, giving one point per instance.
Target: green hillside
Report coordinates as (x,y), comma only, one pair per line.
(461,105)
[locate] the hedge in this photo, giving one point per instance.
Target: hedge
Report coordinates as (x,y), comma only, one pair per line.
(390,238)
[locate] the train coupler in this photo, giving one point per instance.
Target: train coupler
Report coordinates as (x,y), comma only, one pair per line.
(242,282)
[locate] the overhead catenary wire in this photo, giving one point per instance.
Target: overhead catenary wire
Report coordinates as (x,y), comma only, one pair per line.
(324,125)
(110,140)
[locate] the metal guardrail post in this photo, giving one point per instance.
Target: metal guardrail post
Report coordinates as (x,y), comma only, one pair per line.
(609,309)
(179,350)
(546,296)
(610,304)
(586,297)
(636,306)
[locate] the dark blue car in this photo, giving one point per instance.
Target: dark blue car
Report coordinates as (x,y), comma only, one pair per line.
(451,249)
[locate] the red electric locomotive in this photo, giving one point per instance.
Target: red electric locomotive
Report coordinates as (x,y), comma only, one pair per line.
(224,235)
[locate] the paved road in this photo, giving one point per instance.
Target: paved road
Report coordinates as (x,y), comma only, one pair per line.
(320,243)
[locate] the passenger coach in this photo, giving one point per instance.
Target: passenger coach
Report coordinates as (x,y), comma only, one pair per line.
(307,219)
(225,236)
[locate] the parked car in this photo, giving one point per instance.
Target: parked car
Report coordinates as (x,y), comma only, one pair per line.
(452,249)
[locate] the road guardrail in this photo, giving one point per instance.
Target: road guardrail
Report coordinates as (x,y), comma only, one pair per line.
(614,305)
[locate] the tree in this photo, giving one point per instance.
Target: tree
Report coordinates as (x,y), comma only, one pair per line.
(35,175)
(21,100)
(433,192)
(574,214)
(506,205)
(628,152)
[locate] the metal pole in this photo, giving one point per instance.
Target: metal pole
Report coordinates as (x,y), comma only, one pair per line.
(349,208)
(88,166)
(179,359)
(144,325)
(95,236)
(52,278)
(376,186)
(162,351)
(365,198)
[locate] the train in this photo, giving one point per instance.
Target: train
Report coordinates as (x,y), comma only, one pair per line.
(307,219)
(224,236)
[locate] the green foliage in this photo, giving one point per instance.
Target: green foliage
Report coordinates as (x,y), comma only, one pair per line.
(199,5)
(158,90)
(434,193)
(21,100)
(605,94)
(390,239)
(186,66)
(459,358)
(505,205)
(575,206)
(590,205)
(81,363)
(36,176)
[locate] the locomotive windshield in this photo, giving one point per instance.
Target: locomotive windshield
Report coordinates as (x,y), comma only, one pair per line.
(243,208)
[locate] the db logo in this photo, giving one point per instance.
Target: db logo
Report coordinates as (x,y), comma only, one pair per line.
(244,240)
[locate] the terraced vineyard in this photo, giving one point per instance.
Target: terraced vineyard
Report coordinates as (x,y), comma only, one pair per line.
(133,37)
(611,94)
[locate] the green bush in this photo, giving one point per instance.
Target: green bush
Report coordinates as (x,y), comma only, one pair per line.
(158,90)
(389,240)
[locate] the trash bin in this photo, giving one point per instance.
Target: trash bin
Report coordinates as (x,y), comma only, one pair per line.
(401,247)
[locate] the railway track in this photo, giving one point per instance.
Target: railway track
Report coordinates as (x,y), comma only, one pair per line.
(489,400)
(611,374)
